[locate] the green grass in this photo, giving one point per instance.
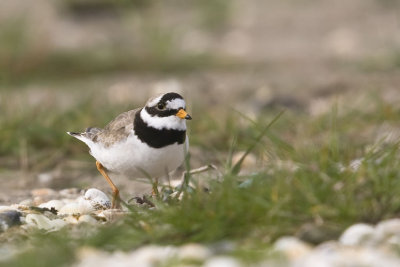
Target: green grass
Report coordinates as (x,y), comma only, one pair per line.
(315,189)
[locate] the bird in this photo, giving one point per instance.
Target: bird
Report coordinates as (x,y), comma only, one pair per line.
(147,141)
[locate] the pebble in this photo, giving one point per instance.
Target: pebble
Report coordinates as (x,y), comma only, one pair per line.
(147,256)
(45,178)
(357,234)
(97,199)
(249,162)
(222,261)
(112,214)
(56,204)
(194,252)
(332,254)
(76,219)
(87,219)
(386,229)
(27,202)
(9,218)
(292,247)
(42,222)
(81,207)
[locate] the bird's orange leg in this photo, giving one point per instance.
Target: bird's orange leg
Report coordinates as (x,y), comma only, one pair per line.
(115,199)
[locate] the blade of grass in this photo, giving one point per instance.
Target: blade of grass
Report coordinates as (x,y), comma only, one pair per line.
(236,168)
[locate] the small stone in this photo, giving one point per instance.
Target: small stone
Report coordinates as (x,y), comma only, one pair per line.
(333,254)
(112,214)
(357,234)
(81,207)
(292,247)
(88,256)
(42,222)
(249,162)
(6,208)
(222,261)
(27,202)
(56,204)
(72,219)
(97,199)
(386,229)
(194,252)
(9,218)
(77,219)
(45,178)
(87,219)
(152,255)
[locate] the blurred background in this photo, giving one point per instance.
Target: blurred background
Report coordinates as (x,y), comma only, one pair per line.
(69,64)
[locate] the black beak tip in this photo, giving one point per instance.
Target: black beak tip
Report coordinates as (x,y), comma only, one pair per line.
(188,117)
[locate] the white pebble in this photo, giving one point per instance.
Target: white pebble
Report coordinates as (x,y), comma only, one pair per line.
(331,254)
(152,255)
(56,204)
(97,199)
(292,247)
(26,202)
(81,207)
(386,229)
(71,219)
(194,252)
(357,234)
(87,219)
(42,222)
(111,214)
(222,261)
(6,208)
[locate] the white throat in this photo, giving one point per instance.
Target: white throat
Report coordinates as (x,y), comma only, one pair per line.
(171,122)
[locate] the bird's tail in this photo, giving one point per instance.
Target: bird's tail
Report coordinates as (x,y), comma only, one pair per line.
(80,136)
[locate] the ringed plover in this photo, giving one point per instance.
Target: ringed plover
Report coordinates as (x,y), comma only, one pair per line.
(145,141)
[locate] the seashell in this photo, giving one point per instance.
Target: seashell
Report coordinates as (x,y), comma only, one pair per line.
(56,204)
(357,234)
(97,199)
(9,218)
(42,222)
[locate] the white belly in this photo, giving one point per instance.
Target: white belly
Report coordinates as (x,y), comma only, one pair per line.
(134,158)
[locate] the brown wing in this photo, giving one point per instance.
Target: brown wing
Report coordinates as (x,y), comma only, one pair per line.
(119,128)
(122,120)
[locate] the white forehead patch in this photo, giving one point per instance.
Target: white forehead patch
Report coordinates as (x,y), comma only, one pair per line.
(176,103)
(154,101)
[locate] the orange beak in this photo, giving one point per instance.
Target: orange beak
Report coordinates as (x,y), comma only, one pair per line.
(183,114)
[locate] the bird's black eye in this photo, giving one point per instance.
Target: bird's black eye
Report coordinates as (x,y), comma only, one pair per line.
(161,106)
